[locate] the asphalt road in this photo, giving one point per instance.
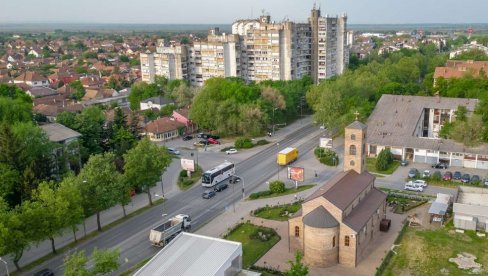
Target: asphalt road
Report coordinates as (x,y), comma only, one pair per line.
(131,236)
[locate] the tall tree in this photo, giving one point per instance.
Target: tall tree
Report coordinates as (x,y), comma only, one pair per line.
(144,165)
(98,184)
(69,192)
(297,267)
(105,262)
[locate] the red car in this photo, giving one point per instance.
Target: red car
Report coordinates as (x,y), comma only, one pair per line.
(447,176)
(213,141)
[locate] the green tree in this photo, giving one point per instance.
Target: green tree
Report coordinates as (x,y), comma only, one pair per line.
(297,268)
(69,192)
(105,262)
(15,110)
(79,90)
(10,179)
(141,91)
(144,165)
(98,185)
(277,187)
(75,264)
(384,159)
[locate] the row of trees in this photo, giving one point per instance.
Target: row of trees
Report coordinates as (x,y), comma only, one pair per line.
(55,207)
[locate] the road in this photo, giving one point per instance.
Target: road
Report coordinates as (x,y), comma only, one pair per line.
(131,236)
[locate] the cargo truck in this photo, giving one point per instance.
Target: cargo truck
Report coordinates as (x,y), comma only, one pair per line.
(164,233)
(286,156)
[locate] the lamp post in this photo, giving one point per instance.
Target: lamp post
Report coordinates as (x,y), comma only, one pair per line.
(274,108)
(6,265)
(278,149)
(162,205)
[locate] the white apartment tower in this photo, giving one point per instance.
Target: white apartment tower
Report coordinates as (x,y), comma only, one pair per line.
(257,50)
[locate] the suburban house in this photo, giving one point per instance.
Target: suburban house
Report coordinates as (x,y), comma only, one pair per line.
(181,115)
(192,254)
(339,221)
(461,68)
(471,209)
(64,136)
(163,129)
(438,208)
(32,79)
(41,91)
(155,102)
(409,126)
(468,47)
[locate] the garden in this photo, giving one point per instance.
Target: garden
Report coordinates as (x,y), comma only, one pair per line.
(384,164)
(278,188)
(279,212)
(256,241)
(326,156)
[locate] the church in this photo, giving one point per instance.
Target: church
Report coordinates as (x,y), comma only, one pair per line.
(341,219)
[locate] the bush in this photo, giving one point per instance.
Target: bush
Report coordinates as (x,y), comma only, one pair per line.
(243,143)
(262,142)
(260,194)
(277,187)
(326,156)
(385,158)
(262,234)
(183,173)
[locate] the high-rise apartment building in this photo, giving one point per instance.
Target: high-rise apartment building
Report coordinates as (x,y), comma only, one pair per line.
(257,50)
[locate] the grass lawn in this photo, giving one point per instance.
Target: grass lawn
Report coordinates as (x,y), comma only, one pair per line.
(184,182)
(371,165)
(253,248)
(268,194)
(280,212)
(427,252)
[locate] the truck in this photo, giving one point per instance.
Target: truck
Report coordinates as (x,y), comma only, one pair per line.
(286,156)
(164,233)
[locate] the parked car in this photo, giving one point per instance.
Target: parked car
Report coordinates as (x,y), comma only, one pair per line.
(231,151)
(419,182)
(410,186)
(485,181)
(216,137)
(44,272)
(203,135)
(208,194)
(404,163)
(220,187)
(466,178)
(475,179)
(173,151)
(457,176)
(447,176)
(213,141)
(234,179)
(187,137)
(426,173)
(413,172)
(439,166)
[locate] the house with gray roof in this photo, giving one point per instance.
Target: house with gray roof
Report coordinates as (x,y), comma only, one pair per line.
(155,102)
(409,126)
(340,221)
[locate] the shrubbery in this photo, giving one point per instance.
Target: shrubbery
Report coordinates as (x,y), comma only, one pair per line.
(277,187)
(326,156)
(257,195)
(385,158)
(262,142)
(243,143)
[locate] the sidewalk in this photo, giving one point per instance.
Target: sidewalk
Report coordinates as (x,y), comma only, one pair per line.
(138,201)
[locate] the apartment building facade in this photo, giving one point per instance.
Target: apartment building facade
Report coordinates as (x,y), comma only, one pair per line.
(257,50)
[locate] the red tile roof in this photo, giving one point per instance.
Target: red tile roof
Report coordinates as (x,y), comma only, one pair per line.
(163,125)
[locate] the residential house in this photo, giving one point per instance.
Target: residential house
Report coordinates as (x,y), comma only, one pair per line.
(460,69)
(41,91)
(65,137)
(468,47)
(182,116)
(32,79)
(155,102)
(163,129)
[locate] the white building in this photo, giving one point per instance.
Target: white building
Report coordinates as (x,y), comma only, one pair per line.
(468,47)
(471,209)
(191,254)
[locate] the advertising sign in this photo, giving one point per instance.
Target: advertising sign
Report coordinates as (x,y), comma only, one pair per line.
(188,164)
(296,173)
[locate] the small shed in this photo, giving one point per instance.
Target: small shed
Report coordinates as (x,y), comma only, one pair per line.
(439,207)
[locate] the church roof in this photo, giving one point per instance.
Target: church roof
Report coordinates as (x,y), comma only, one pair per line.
(357,125)
(360,215)
(320,218)
(343,188)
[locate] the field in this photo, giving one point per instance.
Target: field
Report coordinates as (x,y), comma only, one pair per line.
(427,252)
(253,246)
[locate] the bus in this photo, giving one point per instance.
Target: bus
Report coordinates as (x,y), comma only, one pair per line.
(218,174)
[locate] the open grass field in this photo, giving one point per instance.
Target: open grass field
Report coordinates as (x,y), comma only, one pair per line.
(252,246)
(427,252)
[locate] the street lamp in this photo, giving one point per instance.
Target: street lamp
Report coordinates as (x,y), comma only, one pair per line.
(278,148)
(6,265)
(274,108)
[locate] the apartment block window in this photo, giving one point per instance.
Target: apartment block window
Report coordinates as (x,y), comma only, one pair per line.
(297,231)
(346,241)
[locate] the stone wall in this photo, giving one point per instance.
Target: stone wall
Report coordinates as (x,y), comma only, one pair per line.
(321,248)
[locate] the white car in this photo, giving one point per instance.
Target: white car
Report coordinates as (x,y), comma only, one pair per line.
(420,182)
(426,173)
(410,186)
(231,151)
(173,151)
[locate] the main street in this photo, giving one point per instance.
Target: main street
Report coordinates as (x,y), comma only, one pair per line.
(131,236)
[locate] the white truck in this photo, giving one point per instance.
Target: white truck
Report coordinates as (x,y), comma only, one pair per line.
(164,233)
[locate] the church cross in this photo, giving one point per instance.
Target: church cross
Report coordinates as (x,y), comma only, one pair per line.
(357,114)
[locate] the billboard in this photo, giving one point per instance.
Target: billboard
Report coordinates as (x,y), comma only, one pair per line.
(188,164)
(296,173)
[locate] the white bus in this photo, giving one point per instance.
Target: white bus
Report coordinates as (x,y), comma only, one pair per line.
(218,174)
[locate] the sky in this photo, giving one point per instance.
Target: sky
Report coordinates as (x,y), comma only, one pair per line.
(227,11)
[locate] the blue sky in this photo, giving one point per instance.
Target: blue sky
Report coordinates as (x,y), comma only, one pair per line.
(226,11)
